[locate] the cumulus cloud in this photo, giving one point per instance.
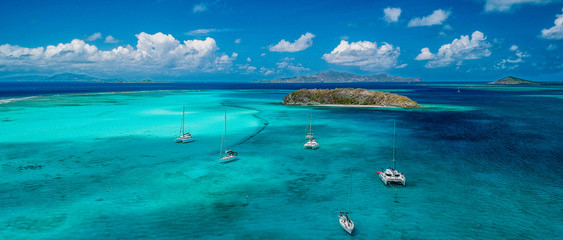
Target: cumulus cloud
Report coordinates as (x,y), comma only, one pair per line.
(436,18)
(237,41)
(425,54)
(555,32)
(285,67)
(513,61)
(364,54)
(94,37)
(111,39)
(551,47)
(508,5)
(304,42)
(201,7)
(154,53)
(391,14)
(464,48)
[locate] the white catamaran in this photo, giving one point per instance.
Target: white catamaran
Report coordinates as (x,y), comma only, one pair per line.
(185,137)
(229,155)
(312,142)
(391,175)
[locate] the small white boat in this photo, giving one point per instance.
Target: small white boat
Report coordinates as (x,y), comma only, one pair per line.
(391,175)
(185,137)
(229,155)
(346,223)
(312,142)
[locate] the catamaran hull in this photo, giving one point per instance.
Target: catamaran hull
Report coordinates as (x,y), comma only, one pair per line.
(228,159)
(188,140)
(388,180)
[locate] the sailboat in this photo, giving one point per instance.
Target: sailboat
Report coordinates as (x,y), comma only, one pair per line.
(345,222)
(312,142)
(229,155)
(185,137)
(391,175)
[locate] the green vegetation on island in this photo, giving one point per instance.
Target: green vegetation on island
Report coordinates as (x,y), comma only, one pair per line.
(512,81)
(348,96)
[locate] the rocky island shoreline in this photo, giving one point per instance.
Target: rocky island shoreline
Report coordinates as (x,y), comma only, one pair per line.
(348,97)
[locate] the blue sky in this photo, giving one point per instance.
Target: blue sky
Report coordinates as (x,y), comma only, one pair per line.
(244,40)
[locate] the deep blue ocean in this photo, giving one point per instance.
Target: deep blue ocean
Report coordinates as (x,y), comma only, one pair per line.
(98,161)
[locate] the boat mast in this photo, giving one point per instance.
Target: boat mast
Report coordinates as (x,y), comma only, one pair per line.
(224,135)
(394,145)
(182,125)
(311,124)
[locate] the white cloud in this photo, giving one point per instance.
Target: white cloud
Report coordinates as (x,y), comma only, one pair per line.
(263,54)
(248,59)
(200,32)
(304,42)
(285,67)
(246,68)
(507,5)
(391,14)
(436,18)
(425,54)
(460,49)
(94,37)
(555,32)
(514,61)
(364,54)
(154,53)
(111,39)
(201,7)
(551,47)
(237,41)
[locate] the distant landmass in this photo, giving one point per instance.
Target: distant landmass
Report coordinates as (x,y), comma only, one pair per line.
(512,81)
(341,77)
(348,97)
(71,77)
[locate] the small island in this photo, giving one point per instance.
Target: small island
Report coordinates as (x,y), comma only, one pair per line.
(348,97)
(512,81)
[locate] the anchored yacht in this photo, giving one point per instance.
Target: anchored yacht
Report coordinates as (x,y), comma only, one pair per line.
(391,175)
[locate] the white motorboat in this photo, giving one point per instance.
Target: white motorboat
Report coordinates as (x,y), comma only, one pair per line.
(346,223)
(391,175)
(185,137)
(229,155)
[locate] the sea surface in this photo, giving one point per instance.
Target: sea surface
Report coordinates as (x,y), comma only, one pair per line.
(98,161)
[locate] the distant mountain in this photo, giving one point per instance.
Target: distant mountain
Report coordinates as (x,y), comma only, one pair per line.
(71,77)
(512,80)
(341,77)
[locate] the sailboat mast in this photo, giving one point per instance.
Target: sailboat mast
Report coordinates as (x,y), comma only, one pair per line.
(394,133)
(182,125)
(311,124)
(350,192)
(223,137)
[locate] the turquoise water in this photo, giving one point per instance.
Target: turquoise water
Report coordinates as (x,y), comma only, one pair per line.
(479,164)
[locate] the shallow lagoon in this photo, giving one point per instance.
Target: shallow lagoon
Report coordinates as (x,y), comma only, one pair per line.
(479,164)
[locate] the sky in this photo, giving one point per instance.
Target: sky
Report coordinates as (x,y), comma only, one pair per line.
(220,40)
